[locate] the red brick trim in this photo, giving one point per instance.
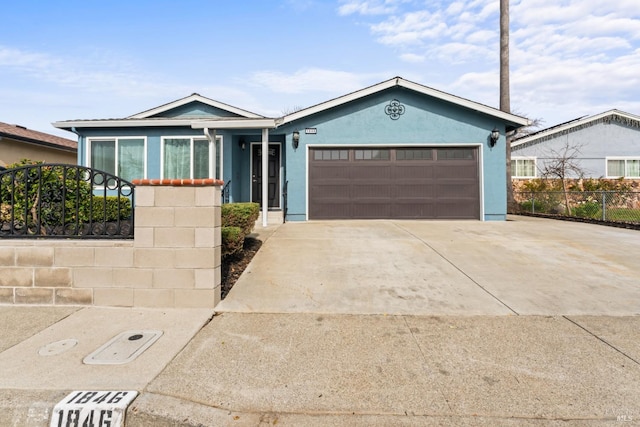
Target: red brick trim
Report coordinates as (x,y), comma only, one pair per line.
(180,182)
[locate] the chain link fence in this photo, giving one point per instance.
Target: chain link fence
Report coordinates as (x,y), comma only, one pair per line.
(609,206)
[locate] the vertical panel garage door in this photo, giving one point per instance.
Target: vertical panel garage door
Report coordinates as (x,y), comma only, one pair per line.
(394,183)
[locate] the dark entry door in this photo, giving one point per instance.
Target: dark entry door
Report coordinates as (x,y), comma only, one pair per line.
(274,175)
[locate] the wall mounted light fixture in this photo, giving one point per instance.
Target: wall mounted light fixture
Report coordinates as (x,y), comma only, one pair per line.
(494,136)
(242,144)
(296,139)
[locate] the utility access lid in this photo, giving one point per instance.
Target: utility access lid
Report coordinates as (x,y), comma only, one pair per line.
(123,348)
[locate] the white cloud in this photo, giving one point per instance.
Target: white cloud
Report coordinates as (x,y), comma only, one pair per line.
(368,7)
(412,28)
(307,80)
(412,58)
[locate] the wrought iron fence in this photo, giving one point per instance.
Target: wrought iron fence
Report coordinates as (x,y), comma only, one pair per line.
(285,200)
(65,201)
(610,206)
(225,192)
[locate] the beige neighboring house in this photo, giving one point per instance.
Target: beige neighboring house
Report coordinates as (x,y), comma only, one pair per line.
(18,142)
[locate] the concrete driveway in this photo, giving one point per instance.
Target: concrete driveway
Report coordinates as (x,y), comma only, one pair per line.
(521,266)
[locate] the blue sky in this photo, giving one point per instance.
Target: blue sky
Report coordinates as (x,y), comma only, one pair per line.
(62,60)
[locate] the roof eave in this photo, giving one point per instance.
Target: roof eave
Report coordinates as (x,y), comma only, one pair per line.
(258,123)
(193,98)
(68,125)
(398,81)
(38,142)
(555,130)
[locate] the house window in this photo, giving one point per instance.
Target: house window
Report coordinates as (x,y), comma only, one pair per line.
(623,167)
(372,154)
(123,157)
(191,158)
(523,167)
(455,154)
(331,155)
(414,154)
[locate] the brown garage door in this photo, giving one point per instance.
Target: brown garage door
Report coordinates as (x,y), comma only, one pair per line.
(394,183)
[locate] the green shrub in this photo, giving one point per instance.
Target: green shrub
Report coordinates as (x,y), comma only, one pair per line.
(587,209)
(238,220)
(606,185)
(115,209)
(54,189)
(232,240)
(526,206)
(242,215)
(542,185)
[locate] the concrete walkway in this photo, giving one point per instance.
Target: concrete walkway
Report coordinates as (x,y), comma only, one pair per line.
(522,266)
(526,322)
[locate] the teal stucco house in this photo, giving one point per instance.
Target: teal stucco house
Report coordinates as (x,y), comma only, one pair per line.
(396,150)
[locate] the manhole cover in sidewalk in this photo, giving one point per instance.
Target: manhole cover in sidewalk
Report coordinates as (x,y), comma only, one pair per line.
(57,347)
(123,348)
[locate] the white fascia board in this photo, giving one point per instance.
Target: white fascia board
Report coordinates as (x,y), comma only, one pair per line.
(194,98)
(398,81)
(581,122)
(465,102)
(234,124)
(338,101)
(121,123)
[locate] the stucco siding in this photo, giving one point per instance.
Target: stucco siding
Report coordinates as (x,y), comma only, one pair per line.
(12,151)
(425,122)
(595,143)
(196,110)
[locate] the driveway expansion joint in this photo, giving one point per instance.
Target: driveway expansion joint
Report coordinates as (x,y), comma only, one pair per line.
(608,344)
(456,267)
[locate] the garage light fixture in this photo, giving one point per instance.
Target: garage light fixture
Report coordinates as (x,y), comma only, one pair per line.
(494,136)
(296,139)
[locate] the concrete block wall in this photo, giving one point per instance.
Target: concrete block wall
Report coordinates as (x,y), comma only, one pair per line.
(173,261)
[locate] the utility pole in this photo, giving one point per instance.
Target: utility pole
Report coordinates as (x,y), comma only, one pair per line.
(505,96)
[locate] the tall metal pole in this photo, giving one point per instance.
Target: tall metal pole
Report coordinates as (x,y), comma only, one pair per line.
(505,95)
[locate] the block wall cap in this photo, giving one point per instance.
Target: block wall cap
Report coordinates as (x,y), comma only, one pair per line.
(179,182)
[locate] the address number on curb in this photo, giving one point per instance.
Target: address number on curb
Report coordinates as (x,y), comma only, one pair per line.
(92,409)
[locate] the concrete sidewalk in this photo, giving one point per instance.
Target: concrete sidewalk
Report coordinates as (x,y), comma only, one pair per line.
(252,369)
(318,370)
(32,381)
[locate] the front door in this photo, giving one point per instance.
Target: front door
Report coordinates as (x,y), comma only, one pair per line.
(274,174)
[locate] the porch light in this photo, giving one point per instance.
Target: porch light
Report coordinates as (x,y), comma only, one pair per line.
(494,136)
(241,143)
(296,139)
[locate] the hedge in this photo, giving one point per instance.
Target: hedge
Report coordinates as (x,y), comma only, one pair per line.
(238,220)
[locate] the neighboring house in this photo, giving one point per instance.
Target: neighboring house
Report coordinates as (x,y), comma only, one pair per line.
(396,149)
(18,142)
(607,146)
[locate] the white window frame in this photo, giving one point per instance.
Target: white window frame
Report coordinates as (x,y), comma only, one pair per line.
(522,158)
(212,152)
(90,141)
(625,159)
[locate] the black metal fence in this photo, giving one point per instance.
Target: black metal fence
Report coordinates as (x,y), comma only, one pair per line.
(609,206)
(65,201)
(226,190)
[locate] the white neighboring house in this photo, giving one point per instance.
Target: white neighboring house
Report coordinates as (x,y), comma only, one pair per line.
(608,146)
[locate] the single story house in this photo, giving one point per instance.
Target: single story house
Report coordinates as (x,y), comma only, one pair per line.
(605,145)
(18,142)
(396,149)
